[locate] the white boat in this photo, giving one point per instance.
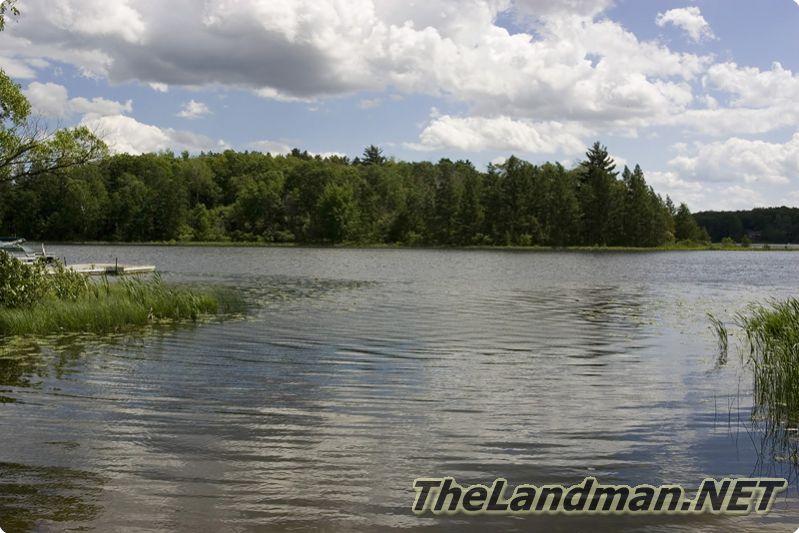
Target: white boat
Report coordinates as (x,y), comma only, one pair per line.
(17,249)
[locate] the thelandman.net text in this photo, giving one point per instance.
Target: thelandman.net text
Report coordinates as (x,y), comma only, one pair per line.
(726,496)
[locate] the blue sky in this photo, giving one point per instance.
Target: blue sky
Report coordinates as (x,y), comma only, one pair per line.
(700,93)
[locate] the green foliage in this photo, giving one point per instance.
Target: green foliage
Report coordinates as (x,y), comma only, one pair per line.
(23,285)
(336,213)
(373,155)
(256,197)
(776,225)
(685,226)
(597,193)
(7,8)
(728,242)
(28,151)
(40,299)
(772,336)
(746,242)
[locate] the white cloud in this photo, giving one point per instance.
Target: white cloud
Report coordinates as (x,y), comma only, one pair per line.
(272,147)
(117,19)
(690,20)
(325,155)
(576,74)
(281,148)
(752,87)
(127,135)
(52,100)
(193,109)
(18,68)
(546,8)
(501,133)
(574,68)
(736,197)
(742,160)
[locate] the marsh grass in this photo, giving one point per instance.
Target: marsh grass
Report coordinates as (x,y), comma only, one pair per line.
(37,302)
(770,346)
(772,337)
(723,338)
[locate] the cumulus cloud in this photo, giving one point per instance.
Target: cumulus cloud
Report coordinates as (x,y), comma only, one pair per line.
(281,148)
(52,100)
(272,147)
(118,19)
(193,109)
(752,87)
(569,75)
(501,133)
(548,8)
(690,20)
(18,68)
(125,134)
(742,160)
(671,184)
(575,67)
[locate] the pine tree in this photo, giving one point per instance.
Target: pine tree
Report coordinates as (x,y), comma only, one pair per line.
(598,172)
(373,155)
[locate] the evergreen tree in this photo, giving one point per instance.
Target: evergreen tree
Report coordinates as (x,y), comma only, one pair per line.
(685,227)
(373,155)
(595,194)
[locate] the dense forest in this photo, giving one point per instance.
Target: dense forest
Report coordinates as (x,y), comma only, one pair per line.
(769,224)
(252,196)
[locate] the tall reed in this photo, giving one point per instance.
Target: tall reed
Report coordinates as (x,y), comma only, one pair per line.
(35,299)
(772,338)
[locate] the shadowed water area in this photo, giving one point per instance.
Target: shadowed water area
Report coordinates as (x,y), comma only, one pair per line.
(356,371)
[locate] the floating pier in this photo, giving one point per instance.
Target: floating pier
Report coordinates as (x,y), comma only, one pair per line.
(110,269)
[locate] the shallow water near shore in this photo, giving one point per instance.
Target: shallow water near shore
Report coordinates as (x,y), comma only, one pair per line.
(358,371)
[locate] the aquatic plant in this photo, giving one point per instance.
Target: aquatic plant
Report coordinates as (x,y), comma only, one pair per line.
(723,337)
(35,301)
(770,346)
(772,337)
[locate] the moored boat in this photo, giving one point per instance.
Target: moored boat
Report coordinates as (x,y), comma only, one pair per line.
(18,249)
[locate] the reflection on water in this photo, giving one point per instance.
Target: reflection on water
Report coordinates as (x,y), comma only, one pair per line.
(35,496)
(360,370)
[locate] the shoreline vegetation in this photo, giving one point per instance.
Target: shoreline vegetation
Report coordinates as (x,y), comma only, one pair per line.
(41,299)
(770,346)
(676,247)
(303,199)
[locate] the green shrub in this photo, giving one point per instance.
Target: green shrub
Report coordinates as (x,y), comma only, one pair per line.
(24,285)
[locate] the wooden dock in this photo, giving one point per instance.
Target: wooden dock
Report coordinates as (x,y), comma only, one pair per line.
(110,269)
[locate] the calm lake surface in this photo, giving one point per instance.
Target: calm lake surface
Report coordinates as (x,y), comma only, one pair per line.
(357,371)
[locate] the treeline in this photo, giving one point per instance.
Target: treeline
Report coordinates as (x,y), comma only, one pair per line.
(778,225)
(252,196)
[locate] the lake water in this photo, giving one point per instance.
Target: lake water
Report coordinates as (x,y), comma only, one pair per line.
(357,371)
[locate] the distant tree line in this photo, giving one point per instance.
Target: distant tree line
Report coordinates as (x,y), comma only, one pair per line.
(768,225)
(300,198)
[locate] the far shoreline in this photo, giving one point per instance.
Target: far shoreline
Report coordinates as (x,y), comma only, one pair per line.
(713,247)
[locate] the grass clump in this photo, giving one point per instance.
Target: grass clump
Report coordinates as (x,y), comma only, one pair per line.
(45,299)
(772,336)
(723,337)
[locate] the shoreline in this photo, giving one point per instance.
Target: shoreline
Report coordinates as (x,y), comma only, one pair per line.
(714,247)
